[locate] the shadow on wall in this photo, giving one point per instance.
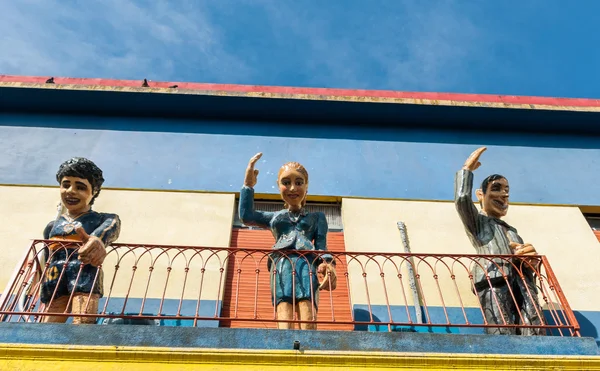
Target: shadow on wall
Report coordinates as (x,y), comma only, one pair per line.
(588,321)
(364,315)
(314,130)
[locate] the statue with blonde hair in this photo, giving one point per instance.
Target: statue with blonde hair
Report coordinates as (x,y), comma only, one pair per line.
(294,269)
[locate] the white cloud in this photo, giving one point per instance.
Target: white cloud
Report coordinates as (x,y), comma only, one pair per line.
(113,39)
(375,44)
(402,45)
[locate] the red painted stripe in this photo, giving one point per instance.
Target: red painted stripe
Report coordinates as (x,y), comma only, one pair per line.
(475,98)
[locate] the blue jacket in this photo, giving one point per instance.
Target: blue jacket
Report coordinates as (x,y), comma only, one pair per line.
(307,232)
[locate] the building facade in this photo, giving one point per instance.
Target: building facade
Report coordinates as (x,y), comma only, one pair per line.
(174,156)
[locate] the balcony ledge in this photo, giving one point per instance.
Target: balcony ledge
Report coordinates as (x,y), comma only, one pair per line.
(267,339)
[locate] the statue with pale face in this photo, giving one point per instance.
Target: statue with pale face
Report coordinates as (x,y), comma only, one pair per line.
(294,270)
(73,270)
(505,297)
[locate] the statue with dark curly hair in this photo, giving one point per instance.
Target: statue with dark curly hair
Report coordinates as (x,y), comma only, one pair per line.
(79,167)
(80,236)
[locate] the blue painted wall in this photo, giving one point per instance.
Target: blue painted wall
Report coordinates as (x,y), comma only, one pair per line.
(132,306)
(208,308)
(589,321)
(376,162)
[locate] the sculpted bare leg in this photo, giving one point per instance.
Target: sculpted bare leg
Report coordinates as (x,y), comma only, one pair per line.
(305,313)
(58,305)
(285,311)
(80,305)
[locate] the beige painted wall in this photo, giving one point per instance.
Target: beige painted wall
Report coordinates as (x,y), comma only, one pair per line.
(560,233)
(170,218)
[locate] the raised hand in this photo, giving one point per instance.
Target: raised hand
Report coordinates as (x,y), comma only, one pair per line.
(472,162)
(251,173)
(93,251)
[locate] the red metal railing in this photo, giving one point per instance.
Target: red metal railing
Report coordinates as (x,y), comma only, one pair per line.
(182,283)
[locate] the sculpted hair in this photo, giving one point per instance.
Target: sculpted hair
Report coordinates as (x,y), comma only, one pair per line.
(488,180)
(299,168)
(80,167)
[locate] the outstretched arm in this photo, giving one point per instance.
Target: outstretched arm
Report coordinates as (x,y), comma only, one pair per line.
(247,214)
(463,185)
(463,188)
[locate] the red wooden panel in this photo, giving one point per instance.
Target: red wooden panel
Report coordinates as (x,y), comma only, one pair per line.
(243,285)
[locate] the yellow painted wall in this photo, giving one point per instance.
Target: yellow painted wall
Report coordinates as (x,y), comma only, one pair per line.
(173,218)
(370,225)
(25,357)
(560,233)
(565,237)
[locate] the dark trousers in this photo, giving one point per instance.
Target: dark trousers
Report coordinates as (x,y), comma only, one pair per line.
(519,308)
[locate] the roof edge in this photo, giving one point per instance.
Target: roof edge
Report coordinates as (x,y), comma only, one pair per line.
(357,95)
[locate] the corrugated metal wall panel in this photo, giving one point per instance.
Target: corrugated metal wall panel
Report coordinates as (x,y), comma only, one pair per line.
(333,212)
(244,284)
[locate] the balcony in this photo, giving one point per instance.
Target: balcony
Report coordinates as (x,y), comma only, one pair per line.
(224,287)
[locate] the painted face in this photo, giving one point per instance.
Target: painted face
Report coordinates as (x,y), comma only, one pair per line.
(495,200)
(76,194)
(292,187)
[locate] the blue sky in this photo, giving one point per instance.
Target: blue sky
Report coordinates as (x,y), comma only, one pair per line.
(526,47)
